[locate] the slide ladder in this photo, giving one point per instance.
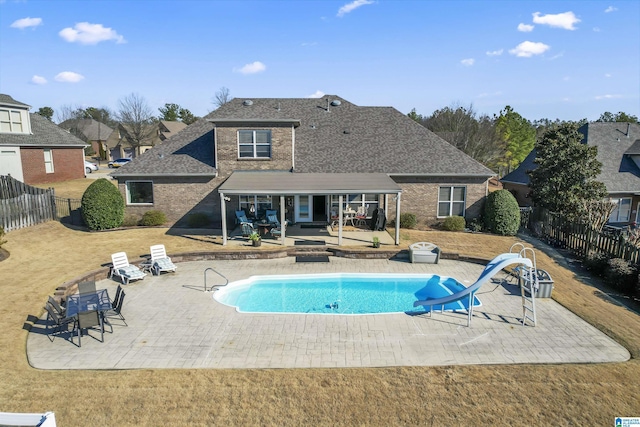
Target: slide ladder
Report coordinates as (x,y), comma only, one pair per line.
(528,287)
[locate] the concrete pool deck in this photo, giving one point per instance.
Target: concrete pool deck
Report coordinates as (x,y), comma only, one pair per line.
(173,323)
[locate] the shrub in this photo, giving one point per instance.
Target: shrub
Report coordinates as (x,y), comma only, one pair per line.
(622,275)
(152,218)
(408,220)
(102,205)
(131,220)
(596,263)
(2,241)
(475,225)
(501,213)
(198,219)
(453,223)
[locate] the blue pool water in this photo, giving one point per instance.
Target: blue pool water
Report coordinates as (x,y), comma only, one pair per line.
(342,293)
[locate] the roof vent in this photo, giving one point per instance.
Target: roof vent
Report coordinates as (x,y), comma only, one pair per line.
(335,103)
(346,131)
(247,102)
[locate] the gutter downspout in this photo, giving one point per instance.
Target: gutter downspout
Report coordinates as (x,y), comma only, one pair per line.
(293,147)
(398,218)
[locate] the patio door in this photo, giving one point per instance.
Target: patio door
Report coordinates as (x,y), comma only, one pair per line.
(304,208)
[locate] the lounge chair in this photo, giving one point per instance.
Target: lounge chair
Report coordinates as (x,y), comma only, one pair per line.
(160,261)
(124,270)
(241,216)
(276,232)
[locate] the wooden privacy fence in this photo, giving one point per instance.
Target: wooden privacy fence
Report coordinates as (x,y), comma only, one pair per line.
(22,205)
(581,239)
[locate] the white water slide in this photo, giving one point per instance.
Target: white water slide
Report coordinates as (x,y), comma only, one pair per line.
(494,267)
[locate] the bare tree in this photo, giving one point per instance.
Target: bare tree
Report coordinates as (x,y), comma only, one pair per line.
(222,97)
(136,120)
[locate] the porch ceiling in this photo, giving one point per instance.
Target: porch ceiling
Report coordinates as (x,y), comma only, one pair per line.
(292,183)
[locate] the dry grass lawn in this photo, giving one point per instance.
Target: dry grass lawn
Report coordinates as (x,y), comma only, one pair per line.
(72,189)
(44,256)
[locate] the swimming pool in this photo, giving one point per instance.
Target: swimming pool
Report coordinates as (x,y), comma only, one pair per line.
(340,293)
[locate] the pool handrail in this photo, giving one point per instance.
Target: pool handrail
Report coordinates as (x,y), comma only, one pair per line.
(491,269)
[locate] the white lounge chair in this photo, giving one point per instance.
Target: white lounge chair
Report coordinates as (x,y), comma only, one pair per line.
(160,261)
(124,270)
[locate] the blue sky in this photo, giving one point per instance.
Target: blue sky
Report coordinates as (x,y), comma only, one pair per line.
(555,59)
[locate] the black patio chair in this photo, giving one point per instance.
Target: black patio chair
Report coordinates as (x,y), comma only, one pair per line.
(59,309)
(86,321)
(87,287)
(116,310)
(55,320)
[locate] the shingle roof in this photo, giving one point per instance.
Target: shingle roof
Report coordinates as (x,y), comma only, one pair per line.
(616,143)
(92,129)
(8,100)
(335,138)
(190,152)
(44,133)
(172,127)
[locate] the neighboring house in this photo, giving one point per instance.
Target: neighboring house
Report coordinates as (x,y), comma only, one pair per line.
(310,157)
(35,150)
(122,143)
(618,151)
(91,131)
(166,129)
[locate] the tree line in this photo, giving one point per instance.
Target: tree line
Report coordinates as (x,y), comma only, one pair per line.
(500,142)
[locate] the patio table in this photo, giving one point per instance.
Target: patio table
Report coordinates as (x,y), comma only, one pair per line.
(98,301)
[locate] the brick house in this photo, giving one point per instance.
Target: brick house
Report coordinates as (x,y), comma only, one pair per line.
(35,150)
(91,131)
(618,151)
(306,158)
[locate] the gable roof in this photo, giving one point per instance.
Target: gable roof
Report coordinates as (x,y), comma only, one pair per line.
(330,137)
(617,144)
(171,126)
(9,101)
(44,133)
(92,129)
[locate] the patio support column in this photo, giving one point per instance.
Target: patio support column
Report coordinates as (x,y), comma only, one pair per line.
(283,221)
(223,207)
(398,218)
(340,219)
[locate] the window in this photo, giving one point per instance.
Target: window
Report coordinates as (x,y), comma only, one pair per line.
(254,144)
(260,205)
(48,160)
(451,201)
(622,211)
(10,121)
(354,201)
(139,192)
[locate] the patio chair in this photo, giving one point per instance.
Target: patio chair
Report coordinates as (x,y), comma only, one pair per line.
(116,310)
(241,216)
(56,320)
(87,287)
(57,307)
(85,321)
(124,270)
(276,232)
(247,229)
(160,261)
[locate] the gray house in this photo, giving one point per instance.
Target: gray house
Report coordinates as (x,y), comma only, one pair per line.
(308,159)
(618,151)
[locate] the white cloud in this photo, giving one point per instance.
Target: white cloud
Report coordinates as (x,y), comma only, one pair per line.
(608,96)
(468,62)
(352,6)
(86,33)
(317,94)
(253,68)
(564,20)
(69,77)
(528,49)
(607,75)
(26,22)
(495,52)
(610,9)
(38,80)
(525,28)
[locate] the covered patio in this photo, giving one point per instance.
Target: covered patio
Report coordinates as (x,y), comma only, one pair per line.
(285,184)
